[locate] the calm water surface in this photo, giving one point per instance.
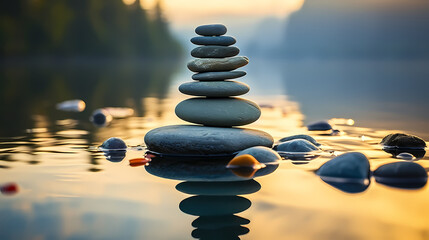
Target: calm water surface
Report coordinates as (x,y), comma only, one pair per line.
(68,190)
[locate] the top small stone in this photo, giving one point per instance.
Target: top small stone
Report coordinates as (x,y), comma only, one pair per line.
(211,30)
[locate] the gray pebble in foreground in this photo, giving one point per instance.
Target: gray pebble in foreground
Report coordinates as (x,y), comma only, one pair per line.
(262,154)
(353,165)
(214,88)
(217,64)
(300,136)
(214,52)
(297,145)
(200,140)
(219,112)
(218,76)
(218,41)
(319,126)
(211,30)
(401,170)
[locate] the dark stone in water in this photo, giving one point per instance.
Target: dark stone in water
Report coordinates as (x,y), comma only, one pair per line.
(353,165)
(214,205)
(115,155)
(214,88)
(300,136)
(296,145)
(216,222)
(219,188)
(211,30)
(402,175)
(214,52)
(101,118)
(217,64)
(403,141)
(218,41)
(218,76)
(319,126)
(114,143)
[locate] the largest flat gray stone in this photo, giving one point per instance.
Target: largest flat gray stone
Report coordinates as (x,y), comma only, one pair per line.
(201,140)
(217,64)
(218,112)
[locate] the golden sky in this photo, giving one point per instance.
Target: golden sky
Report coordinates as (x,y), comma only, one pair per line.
(185,12)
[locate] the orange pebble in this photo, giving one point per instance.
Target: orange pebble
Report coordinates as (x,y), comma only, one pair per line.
(139,162)
(245,161)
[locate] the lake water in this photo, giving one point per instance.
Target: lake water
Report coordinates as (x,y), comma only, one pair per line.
(66,189)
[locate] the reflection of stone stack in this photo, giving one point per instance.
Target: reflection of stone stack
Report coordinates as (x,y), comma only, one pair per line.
(216,204)
(215,105)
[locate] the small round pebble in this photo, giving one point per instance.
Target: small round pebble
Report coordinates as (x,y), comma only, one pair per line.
(300,136)
(319,126)
(296,145)
(101,117)
(114,143)
(262,154)
(211,30)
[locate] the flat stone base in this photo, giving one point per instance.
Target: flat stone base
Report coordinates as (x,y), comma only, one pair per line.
(201,140)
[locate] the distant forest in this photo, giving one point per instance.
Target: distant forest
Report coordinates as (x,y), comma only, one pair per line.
(83,28)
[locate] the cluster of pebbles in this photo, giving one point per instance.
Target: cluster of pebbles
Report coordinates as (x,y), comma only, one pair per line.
(215,106)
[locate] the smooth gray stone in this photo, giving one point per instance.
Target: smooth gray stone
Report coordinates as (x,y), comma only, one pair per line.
(200,140)
(300,136)
(403,141)
(214,88)
(262,154)
(297,145)
(216,76)
(401,175)
(219,188)
(114,143)
(214,205)
(352,165)
(211,30)
(319,126)
(218,41)
(214,52)
(218,112)
(217,64)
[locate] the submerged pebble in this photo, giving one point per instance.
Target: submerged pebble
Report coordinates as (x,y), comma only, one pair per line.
(300,136)
(319,126)
(75,105)
(9,189)
(297,145)
(401,174)
(245,161)
(348,165)
(261,154)
(114,143)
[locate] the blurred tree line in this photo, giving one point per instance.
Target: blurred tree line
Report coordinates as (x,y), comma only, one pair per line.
(88,28)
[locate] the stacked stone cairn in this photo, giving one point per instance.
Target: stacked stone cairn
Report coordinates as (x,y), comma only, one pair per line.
(215,106)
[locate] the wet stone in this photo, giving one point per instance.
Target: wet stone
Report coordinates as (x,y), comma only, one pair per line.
(216,76)
(353,165)
(214,205)
(217,64)
(214,52)
(300,136)
(114,143)
(403,141)
(219,188)
(214,88)
(262,154)
(319,126)
(218,41)
(296,145)
(200,140)
(211,30)
(220,112)
(402,175)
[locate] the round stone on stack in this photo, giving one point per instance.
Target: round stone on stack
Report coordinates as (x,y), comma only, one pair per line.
(211,30)
(216,76)
(217,64)
(214,89)
(214,52)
